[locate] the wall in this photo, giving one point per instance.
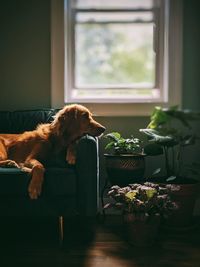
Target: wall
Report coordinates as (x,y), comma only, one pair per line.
(191,54)
(24,54)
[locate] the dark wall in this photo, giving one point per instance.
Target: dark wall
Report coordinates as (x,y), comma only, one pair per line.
(191,54)
(24,54)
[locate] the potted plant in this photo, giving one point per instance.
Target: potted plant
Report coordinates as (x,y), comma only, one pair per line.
(169,133)
(142,206)
(125,162)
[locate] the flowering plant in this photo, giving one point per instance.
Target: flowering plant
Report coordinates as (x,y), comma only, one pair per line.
(142,201)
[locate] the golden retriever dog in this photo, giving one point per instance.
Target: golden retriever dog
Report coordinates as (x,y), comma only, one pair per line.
(29,149)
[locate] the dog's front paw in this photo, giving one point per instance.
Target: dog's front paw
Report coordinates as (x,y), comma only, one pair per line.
(71,154)
(34,189)
(11,164)
(25,169)
(71,159)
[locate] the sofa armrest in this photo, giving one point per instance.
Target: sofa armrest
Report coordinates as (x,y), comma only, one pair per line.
(87,169)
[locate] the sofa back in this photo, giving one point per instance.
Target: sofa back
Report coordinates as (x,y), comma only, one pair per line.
(24,120)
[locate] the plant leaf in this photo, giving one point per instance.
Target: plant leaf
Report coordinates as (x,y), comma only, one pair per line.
(171,178)
(110,145)
(114,136)
(158,117)
(156,137)
(108,205)
(158,170)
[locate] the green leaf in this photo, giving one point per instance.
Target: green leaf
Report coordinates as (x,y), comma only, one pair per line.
(115,136)
(121,141)
(189,140)
(110,145)
(108,205)
(158,117)
(171,178)
(156,137)
(157,171)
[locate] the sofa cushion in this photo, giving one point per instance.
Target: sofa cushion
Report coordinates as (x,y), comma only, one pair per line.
(5,123)
(25,120)
(28,120)
(57,182)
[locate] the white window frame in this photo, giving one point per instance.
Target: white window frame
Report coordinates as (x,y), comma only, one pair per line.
(61,68)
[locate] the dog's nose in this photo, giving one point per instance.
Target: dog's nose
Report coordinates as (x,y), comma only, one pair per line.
(102,129)
(97,129)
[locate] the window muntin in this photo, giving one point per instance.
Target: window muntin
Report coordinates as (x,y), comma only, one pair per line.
(114,4)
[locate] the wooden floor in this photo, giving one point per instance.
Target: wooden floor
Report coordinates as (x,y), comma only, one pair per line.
(28,242)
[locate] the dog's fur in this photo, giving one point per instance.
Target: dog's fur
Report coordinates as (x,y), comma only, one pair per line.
(30,149)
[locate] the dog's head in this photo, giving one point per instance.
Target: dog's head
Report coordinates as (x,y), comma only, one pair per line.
(74,121)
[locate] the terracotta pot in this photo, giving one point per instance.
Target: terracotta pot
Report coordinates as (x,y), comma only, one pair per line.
(142,233)
(125,169)
(185,199)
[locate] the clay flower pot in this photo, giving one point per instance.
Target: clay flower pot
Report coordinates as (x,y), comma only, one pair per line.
(141,233)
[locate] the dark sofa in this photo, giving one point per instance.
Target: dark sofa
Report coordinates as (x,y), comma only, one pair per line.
(67,190)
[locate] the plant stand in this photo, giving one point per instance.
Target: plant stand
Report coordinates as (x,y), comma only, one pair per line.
(125,169)
(105,187)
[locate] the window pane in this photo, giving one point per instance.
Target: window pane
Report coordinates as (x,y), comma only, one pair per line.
(114,3)
(116,54)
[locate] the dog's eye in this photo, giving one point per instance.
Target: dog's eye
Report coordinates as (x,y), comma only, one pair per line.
(85,115)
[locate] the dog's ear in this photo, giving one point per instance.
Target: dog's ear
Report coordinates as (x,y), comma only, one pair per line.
(65,119)
(72,113)
(68,114)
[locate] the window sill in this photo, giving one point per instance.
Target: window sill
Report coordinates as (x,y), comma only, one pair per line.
(121,109)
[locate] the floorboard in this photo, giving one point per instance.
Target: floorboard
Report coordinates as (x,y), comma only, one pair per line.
(34,242)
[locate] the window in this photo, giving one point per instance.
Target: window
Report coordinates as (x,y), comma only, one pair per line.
(117,51)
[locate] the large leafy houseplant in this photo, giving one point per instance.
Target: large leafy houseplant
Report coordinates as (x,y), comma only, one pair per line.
(142,206)
(125,159)
(169,132)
